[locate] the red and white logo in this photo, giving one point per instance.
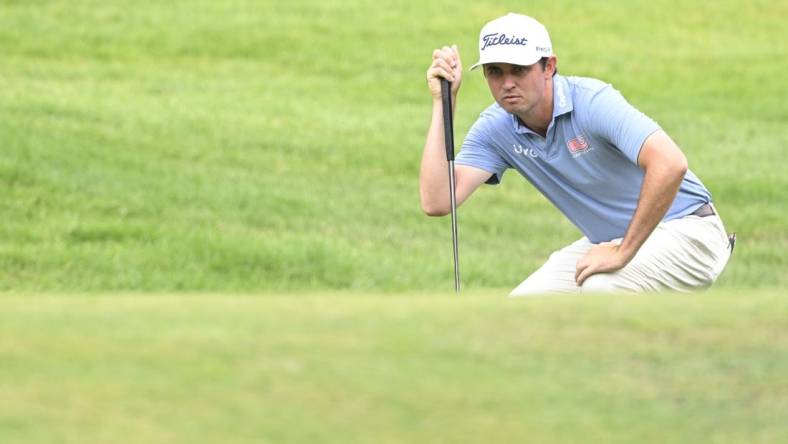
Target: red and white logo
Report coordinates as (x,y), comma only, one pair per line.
(577,146)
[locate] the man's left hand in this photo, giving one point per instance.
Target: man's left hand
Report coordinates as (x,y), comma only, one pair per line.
(602,258)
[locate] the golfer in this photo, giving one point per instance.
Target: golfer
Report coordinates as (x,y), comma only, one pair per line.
(648,222)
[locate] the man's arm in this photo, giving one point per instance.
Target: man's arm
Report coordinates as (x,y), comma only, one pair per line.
(665,166)
(434,176)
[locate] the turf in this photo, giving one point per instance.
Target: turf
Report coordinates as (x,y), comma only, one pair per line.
(393,368)
(262,146)
(268,152)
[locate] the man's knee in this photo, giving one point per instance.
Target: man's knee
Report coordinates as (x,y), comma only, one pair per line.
(527,288)
(601,283)
(540,286)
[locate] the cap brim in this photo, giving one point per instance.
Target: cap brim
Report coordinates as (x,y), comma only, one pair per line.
(520,62)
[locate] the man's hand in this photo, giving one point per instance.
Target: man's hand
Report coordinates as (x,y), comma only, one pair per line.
(602,258)
(446,64)
(665,166)
(434,176)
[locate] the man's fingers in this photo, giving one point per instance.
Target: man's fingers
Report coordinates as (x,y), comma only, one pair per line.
(438,72)
(442,53)
(584,269)
(457,56)
(581,265)
(440,63)
(445,65)
(583,274)
(444,69)
(450,55)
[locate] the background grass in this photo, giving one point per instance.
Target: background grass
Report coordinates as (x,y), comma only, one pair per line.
(273,148)
(345,367)
(259,145)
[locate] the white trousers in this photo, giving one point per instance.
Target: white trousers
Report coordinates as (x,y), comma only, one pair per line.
(680,255)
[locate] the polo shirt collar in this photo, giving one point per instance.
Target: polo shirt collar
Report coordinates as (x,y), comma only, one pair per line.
(562,104)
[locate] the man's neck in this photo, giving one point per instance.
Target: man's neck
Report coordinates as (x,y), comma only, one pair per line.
(538,120)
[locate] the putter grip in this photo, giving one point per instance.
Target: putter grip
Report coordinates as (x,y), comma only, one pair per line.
(448,127)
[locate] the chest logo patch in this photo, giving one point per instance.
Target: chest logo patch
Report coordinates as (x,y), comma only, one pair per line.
(527,152)
(578,146)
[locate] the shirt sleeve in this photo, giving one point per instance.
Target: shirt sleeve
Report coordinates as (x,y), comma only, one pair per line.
(477,151)
(612,118)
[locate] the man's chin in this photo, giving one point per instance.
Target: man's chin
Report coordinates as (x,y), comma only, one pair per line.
(510,108)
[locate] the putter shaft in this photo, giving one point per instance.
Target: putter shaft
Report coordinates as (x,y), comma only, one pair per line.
(453,200)
(448,132)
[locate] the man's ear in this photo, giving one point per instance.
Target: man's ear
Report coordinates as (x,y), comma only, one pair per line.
(551,65)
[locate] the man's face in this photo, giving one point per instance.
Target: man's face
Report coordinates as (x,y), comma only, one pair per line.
(518,89)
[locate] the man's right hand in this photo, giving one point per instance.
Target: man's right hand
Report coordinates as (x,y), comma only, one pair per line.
(446,64)
(434,176)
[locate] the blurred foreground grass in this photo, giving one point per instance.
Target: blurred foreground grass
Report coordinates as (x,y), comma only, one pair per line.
(394,368)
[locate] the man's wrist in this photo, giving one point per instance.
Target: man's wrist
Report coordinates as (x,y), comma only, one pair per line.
(625,254)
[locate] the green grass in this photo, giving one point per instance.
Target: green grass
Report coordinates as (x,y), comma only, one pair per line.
(393,368)
(248,146)
(155,152)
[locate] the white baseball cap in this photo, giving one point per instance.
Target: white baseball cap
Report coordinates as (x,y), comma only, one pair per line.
(513,38)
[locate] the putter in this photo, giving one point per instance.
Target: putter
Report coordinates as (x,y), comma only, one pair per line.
(448,130)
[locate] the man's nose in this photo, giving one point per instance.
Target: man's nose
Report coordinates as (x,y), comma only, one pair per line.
(508,81)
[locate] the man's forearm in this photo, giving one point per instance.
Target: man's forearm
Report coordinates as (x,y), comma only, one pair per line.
(664,166)
(660,185)
(434,176)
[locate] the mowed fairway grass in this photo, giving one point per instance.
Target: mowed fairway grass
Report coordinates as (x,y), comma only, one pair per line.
(396,368)
(259,145)
(210,231)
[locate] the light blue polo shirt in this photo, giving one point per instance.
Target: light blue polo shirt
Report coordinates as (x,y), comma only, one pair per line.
(586,165)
